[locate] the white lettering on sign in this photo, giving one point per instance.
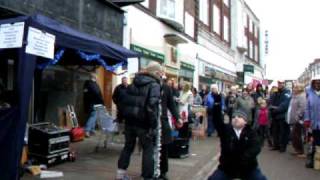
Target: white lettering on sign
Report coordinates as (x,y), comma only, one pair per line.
(11,35)
(40,43)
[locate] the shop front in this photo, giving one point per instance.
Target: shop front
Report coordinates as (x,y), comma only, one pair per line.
(147,56)
(186,73)
(210,74)
(172,73)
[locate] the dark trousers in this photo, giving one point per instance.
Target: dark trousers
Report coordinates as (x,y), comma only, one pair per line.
(316,137)
(210,129)
(147,143)
(254,175)
(230,114)
(164,164)
(281,132)
(264,133)
(297,142)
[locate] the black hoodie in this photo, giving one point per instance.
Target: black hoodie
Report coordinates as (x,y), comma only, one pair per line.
(140,103)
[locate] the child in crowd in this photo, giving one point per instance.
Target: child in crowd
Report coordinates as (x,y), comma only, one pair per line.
(262,121)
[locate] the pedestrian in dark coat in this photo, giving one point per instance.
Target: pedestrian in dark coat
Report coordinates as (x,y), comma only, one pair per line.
(92,96)
(167,104)
(117,94)
(278,109)
(215,105)
(141,110)
(240,147)
(231,102)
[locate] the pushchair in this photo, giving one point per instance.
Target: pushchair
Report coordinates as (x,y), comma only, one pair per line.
(106,126)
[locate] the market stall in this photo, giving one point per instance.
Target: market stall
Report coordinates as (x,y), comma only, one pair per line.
(30,44)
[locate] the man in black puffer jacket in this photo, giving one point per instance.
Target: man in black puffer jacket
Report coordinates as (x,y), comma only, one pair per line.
(140,109)
(239,150)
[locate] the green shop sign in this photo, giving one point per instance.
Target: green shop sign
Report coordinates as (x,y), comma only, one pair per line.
(148,53)
(248,68)
(187,66)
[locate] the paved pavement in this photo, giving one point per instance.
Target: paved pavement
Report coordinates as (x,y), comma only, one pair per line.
(102,165)
(284,166)
(203,160)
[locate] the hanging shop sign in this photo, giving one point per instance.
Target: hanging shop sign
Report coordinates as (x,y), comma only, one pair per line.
(11,35)
(148,53)
(40,43)
(248,68)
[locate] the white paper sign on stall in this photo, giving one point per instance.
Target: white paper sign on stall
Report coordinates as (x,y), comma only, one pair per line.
(40,43)
(11,35)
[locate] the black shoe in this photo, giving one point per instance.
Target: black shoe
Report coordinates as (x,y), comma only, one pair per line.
(274,149)
(282,150)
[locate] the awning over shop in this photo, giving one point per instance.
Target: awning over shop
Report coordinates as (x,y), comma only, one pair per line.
(175,39)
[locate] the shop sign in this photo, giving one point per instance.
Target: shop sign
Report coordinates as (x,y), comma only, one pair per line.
(147,53)
(187,66)
(206,80)
(209,71)
(248,68)
(11,35)
(40,43)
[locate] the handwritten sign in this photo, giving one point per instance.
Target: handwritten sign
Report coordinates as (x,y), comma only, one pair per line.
(11,35)
(40,43)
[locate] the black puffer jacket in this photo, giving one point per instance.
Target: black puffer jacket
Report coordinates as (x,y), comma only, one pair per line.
(92,95)
(238,156)
(140,103)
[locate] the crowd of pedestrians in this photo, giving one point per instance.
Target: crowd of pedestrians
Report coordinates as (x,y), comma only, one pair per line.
(246,119)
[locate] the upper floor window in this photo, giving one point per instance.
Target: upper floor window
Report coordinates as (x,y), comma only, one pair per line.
(226,2)
(250,26)
(189,24)
(145,3)
(216,19)
(168,8)
(204,11)
(226,28)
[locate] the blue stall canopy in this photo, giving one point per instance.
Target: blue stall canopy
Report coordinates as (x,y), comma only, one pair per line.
(70,38)
(67,41)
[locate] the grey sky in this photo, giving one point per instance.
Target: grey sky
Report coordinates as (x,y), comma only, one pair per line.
(294,34)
